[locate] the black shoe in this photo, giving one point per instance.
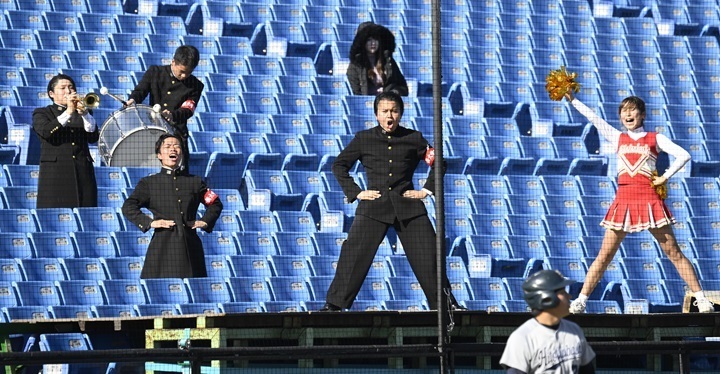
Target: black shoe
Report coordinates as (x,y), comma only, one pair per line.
(330,308)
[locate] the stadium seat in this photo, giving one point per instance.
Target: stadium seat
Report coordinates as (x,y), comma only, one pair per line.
(123,292)
(21,197)
(564,224)
(248,265)
(52,244)
(95,244)
(565,246)
(292,266)
(16,245)
(290,288)
(11,270)
(31,293)
(123,268)
(17,220)
(206,290)
(250,289)
(166,291)
(70,342)
(88,268)
(256,243)
(168,25)
(80,292)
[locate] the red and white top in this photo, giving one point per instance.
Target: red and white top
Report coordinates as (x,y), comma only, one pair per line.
(636,206)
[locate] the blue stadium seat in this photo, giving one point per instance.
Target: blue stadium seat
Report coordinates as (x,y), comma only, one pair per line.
(168,25)
(34,96)
(98,219)
(17,220)
(206,290)
(295,221)
(219,243)
(526,204)
(292,266)
(199,308)
(94,244)
(250,266)
(129,243)
(250,289)
(166,291)
(8,298)
(133,24)
(406,288)
(290,288)
(52,244)
(564,224)
(80,292)
(491,288)
(563,205)
(527,224)
(123,268)
(103,6)
(242,307)
(86,59)
(19,197)
(122,60)
(16,57)
(144,310)
(87,268)
(92,41)
(123,292)
(37,293)
(650,290)
(62,20)
(11,270)
(16,245)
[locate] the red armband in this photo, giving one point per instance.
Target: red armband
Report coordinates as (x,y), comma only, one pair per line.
(188,104)
(209,197)
(430,155)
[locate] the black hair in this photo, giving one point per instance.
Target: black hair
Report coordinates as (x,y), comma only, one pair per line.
(367,30)
(187,55)
(389,96)
(54,81)
(161,139)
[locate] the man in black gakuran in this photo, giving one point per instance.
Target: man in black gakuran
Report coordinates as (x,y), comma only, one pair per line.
(173,198)
(175,89)
(390,154)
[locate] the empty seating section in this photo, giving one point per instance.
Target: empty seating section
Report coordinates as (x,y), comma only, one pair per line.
(528,179)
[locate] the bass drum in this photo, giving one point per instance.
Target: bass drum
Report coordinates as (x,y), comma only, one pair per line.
(128,136)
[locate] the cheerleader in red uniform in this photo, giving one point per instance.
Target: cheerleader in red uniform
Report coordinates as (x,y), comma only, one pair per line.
(637,206)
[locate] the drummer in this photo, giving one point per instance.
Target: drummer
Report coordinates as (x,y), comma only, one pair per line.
(175,89)
(65,128)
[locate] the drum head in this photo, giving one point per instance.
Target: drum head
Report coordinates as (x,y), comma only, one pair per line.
(133,150)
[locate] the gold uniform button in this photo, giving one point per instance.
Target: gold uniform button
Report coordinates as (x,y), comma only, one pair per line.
(389,147)
(168,92)
(165,104)
(173,82)
(177,189)
(390,188)
(73,143)
(390,174)
(179,201)
(389,137)
(73,156)
(390,161)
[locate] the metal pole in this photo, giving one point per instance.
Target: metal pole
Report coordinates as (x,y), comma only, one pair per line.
(442,306)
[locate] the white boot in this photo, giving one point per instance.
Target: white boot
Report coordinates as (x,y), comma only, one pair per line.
(703,304)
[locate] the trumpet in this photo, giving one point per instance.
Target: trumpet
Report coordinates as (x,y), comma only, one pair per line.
(90,101)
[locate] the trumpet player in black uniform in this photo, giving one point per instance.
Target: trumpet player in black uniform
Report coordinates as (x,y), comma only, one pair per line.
(65,128)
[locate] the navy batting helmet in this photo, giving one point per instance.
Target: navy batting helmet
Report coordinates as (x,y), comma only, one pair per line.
(541,288)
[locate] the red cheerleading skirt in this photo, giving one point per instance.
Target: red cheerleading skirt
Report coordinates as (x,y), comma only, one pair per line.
(636,208)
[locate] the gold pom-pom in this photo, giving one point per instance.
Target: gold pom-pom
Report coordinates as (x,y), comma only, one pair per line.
(660,189)
(559,82)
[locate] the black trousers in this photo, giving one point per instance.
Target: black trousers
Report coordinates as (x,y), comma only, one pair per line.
(358,251)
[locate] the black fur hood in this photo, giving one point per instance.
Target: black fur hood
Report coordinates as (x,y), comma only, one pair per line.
(366,30)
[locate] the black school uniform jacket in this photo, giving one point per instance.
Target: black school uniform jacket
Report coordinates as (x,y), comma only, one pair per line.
(176,252)
(67,175)
(390,160)
(170,93)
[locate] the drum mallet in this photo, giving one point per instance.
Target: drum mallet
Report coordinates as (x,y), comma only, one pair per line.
(104,91)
